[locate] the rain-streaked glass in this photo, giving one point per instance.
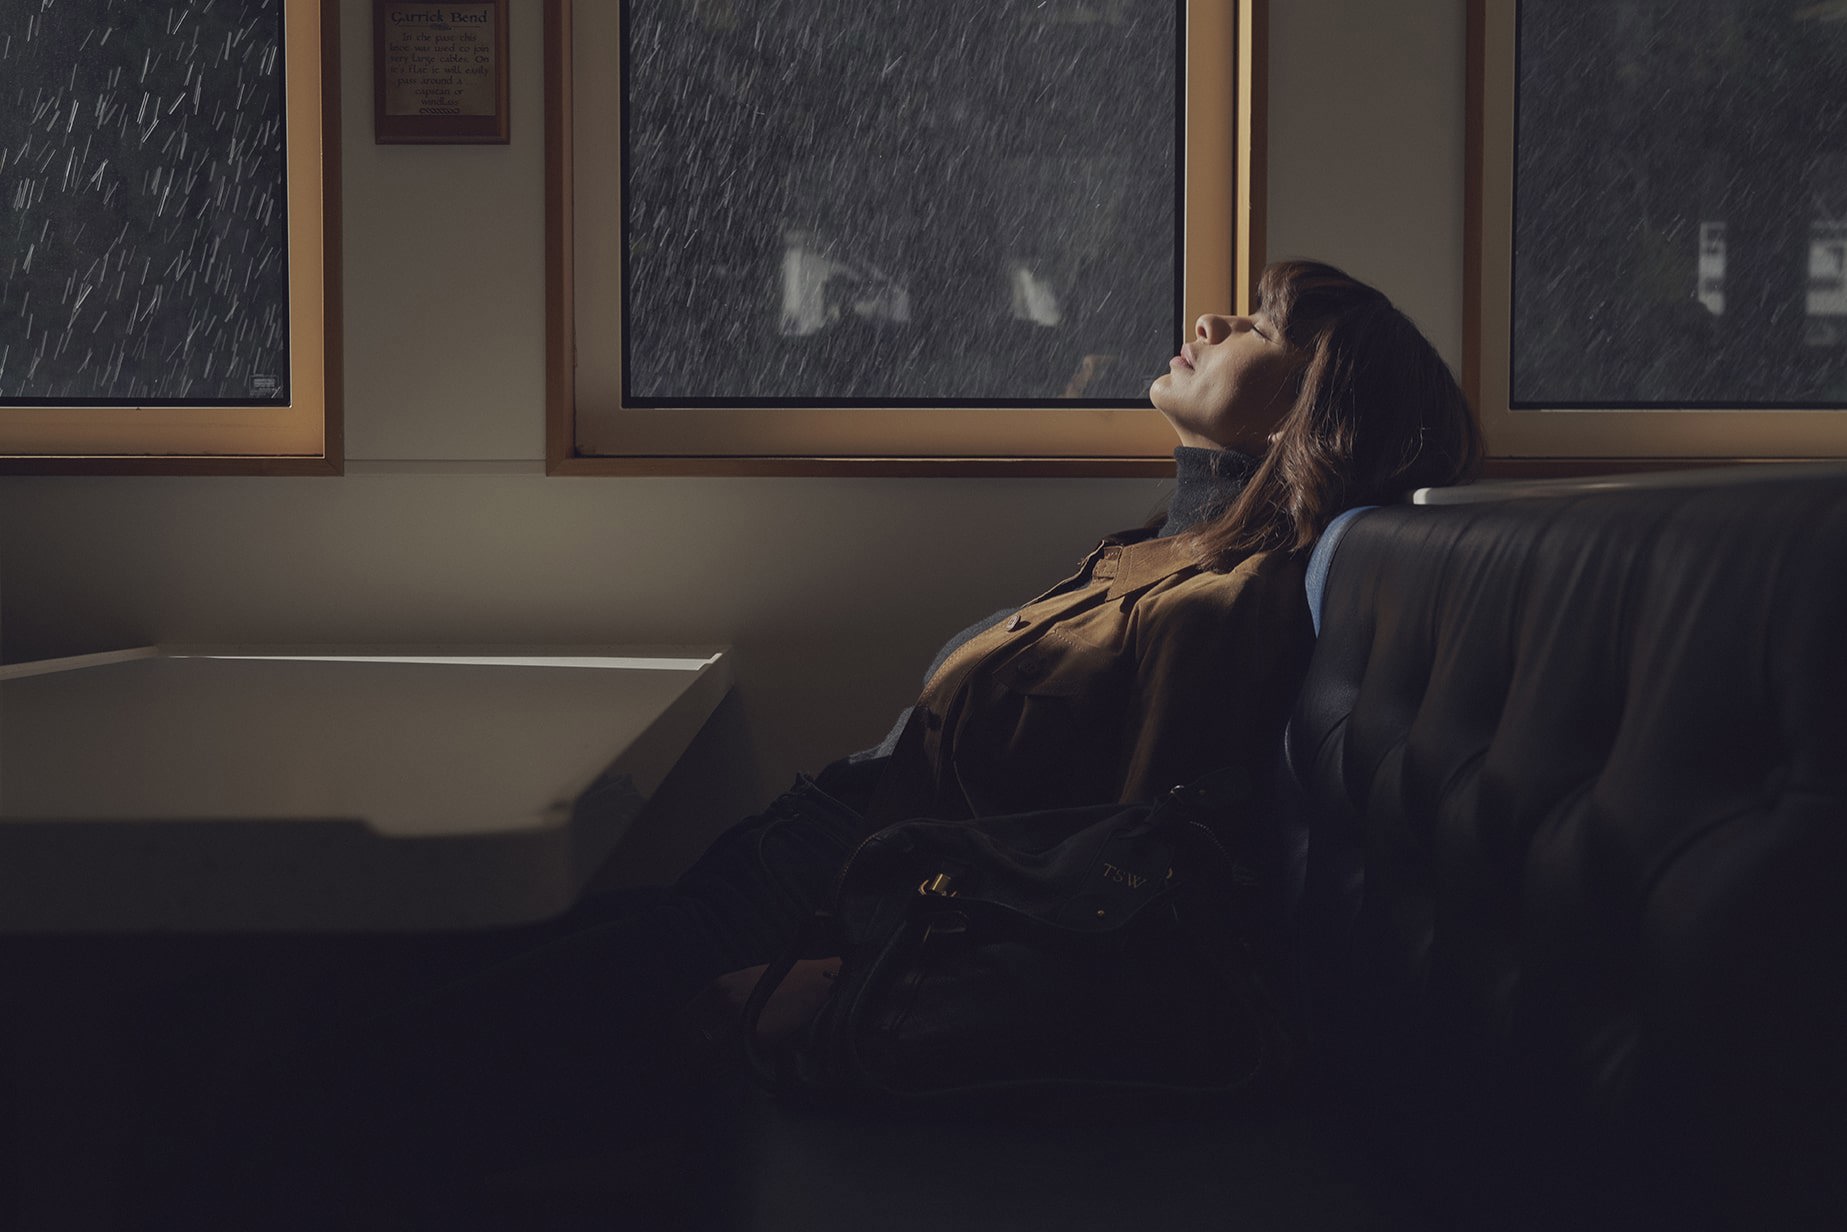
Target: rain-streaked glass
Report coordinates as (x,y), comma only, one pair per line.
(1680,215)
(143,212)
(881,201)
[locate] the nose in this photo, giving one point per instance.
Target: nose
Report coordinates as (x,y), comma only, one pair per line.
(1212,327)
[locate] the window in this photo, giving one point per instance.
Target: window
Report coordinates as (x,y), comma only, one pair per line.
(169,285)
(1660,208)
(821,236)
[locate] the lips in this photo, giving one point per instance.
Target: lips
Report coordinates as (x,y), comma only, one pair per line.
(1185,357)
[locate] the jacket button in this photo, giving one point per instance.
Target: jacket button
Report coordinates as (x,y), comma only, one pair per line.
(1018,622)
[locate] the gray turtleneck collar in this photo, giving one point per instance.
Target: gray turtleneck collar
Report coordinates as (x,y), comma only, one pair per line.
(1206,481)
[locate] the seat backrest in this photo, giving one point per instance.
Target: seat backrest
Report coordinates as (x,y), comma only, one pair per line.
(1573,924)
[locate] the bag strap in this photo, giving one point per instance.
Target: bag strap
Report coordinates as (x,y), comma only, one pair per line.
(766,1066)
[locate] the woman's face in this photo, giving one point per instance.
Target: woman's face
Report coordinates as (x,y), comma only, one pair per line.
(1230,386)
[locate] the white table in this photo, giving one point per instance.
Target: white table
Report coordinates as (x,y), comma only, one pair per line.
(330,789)
(279,830)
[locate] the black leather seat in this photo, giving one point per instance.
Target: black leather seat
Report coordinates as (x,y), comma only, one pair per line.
(1573,931)
(1569,904)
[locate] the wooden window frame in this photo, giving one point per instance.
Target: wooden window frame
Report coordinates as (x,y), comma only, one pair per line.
(1542,443)
(303,438)
(1223,236)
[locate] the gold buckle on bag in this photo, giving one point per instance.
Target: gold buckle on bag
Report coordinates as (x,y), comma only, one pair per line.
(938,885)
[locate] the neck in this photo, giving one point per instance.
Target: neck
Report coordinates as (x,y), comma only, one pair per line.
(1206,481)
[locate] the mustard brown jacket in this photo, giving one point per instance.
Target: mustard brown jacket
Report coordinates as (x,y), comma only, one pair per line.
(1142,671)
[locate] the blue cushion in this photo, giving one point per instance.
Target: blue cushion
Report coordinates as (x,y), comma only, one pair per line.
(1322,559)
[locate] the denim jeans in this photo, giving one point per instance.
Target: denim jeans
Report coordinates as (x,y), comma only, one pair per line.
(534,1045)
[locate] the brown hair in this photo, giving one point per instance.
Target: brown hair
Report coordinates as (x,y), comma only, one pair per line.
(1377,413)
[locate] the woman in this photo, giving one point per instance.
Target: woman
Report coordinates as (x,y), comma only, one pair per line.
(1175,649)
(1169,654)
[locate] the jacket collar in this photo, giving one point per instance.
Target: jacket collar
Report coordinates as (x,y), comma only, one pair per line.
(1142,559)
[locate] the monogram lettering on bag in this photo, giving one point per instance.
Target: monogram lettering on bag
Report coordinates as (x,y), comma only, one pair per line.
(1135,881)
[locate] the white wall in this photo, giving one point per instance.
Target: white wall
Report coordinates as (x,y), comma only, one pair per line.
(836,592)
(1366,148)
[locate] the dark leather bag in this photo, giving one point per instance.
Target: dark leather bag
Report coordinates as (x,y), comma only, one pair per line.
(1102,953)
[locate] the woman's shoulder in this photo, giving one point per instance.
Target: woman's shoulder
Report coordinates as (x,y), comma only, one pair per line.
(1253,617)
(1260,572)
(1268,586)
(1273,565)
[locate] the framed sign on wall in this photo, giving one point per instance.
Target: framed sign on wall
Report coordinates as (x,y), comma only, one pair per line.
(439,72)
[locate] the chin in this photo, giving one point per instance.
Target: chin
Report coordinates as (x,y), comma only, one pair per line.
(1158,391)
